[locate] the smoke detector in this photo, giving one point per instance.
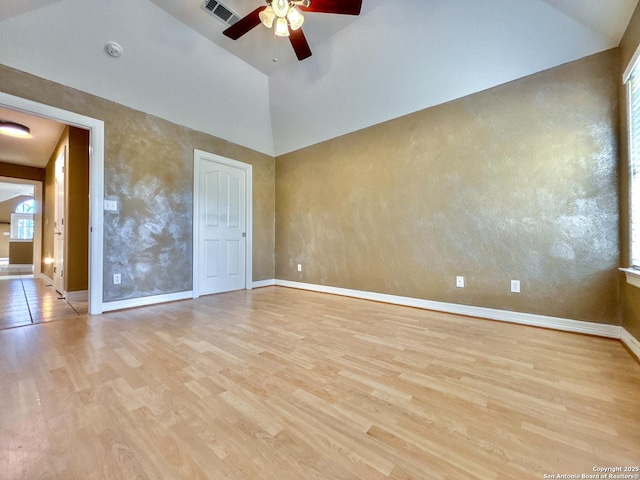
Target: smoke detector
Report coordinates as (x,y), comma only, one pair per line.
(113,49)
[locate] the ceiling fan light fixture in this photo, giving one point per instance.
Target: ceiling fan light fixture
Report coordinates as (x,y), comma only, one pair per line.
(280,8)
(282,27)
(267,16)
(296,19)
(13,129)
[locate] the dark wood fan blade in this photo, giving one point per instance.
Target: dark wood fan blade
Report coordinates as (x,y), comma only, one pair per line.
(299,44)
(244,25)
(344,7)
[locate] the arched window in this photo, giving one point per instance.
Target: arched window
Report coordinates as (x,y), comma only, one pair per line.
(26,207)
(22,221)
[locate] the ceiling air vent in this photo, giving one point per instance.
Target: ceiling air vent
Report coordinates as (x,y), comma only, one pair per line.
(221,12)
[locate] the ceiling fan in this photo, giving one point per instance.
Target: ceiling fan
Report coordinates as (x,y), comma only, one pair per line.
(286,16)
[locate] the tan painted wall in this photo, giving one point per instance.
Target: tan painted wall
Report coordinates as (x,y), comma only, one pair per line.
(21,253)
(517,182)
(77,211)
(149,169)
(75,142)
(5,231)
(9,206)
(48,209)
(21,171)
(630,294)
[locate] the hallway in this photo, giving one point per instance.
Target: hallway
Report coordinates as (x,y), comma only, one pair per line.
(25,300)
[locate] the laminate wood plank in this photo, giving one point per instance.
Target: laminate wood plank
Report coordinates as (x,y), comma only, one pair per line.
(283,384)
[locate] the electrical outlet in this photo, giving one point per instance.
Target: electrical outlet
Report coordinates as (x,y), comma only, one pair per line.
(299,267)
(111,205)
(515,286)
(117,278)
(460,281)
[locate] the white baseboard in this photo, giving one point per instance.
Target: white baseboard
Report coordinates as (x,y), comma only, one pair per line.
(630,341)
(78,296)
(555,323)
(46,279)
(143,301)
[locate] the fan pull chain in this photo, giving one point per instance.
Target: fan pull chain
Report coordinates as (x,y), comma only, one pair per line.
(275,57)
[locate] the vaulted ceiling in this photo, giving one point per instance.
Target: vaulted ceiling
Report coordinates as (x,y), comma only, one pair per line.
(397,57)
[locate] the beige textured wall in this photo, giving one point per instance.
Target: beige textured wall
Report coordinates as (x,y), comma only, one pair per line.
(149,169)
(517,182)
(630,294)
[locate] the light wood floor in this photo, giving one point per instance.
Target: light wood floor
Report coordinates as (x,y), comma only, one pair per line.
(25,300)
(284,384)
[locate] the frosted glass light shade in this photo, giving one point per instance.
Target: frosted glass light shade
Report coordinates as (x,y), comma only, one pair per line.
(280,7)
(282,29)
(15,129)
(295,18)
(267,16)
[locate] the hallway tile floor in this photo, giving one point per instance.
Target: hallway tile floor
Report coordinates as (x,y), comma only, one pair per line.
(25,300)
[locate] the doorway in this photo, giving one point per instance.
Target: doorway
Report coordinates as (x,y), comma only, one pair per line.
(96,182)
(20,226)
(222,221)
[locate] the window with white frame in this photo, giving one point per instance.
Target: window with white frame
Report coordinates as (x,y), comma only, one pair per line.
(633,91)
(28,206)
(21,226)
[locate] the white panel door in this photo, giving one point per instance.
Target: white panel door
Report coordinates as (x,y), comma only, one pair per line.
(221,228)
(59,226)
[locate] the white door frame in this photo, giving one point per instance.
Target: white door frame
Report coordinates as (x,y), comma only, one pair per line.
(198,156)
(59,227)
(37,220)
(96,182)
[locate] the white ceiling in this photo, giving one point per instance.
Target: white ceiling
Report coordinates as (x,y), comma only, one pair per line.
(397,57)
(256,47)
(12,190)
(34,151)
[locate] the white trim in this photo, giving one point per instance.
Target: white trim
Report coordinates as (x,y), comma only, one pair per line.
(78,296)
(20,265)
(633,276)
(212,157)
(264,283)
(555,323)
(96,182)
(46,279)
(630,341)
(22,240)
(631,65)
(144,301)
